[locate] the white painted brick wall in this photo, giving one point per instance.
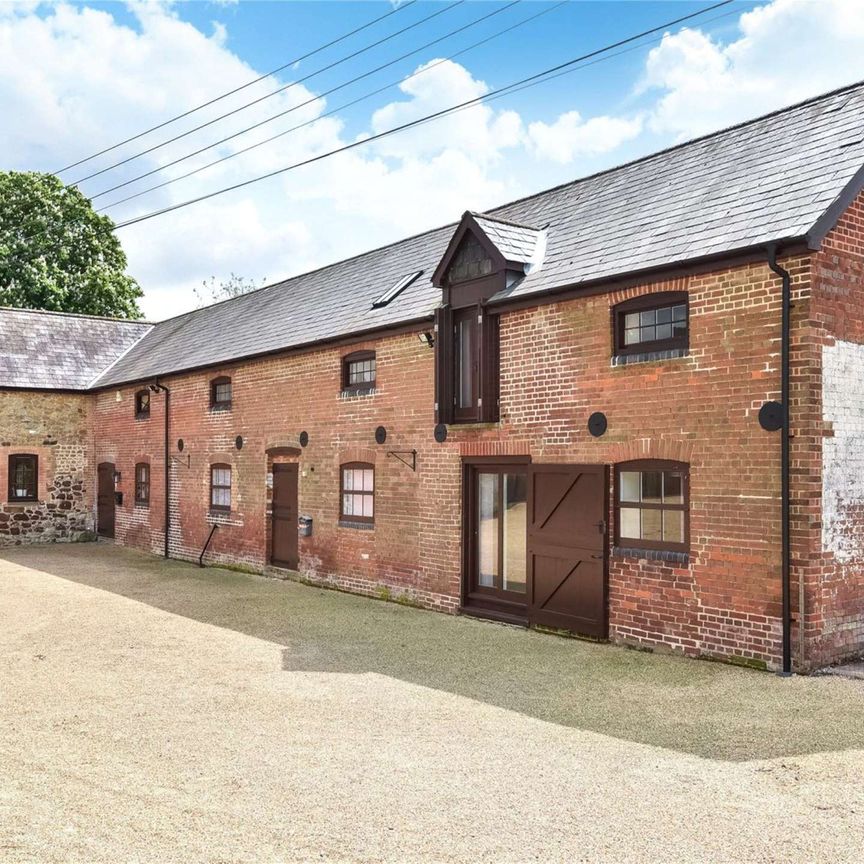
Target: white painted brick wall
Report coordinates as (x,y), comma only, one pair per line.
(843,454)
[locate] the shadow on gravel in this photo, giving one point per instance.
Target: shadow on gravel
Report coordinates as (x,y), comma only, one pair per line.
(703,708)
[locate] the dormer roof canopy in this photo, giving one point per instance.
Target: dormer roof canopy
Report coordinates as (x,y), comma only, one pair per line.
(507,246)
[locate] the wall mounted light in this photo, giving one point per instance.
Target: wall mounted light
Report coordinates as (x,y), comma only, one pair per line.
(427,338)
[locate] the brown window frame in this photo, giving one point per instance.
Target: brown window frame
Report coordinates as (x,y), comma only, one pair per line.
(647,303)
(485,359)
(142,410)
(142,486)
(344,517)
(221,508)
(361,386)
(32,496)
(662,465)
(225,404)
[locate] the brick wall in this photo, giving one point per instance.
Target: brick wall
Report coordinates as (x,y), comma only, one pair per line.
(56,428)
(555,371)
(835,584)
(274,400)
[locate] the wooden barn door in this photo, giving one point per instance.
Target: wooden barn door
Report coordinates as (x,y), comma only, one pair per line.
(284,544)
(567,507)
(105,500)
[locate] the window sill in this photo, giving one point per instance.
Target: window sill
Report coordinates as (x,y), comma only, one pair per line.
(20,504)
(140,505)
(353,392)
(663,555)
(142,416)
(220,409)
(475,424)
(359,526)
(649,356)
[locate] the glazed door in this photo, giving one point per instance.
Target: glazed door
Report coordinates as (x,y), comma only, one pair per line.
(105,500)
(284,544)
(495,560)
(567,588)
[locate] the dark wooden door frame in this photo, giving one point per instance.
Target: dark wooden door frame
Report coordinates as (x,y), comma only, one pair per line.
(485,603)
(105,500)
(284,518)
(499,608)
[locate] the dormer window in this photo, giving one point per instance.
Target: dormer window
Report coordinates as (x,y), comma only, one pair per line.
(486,254)
(220,394)
(142,404)
(358,372)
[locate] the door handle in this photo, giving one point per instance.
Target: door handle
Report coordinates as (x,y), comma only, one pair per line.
(600,556)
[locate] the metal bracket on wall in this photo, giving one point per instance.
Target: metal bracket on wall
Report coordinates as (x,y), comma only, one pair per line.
(187,462)
(401,454)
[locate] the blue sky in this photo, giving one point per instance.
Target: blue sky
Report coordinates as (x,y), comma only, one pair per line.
(80,77)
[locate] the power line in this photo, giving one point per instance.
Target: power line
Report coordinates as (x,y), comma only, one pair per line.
(216,99)
(536,78)
(314,99)
(326,114)
(326,68)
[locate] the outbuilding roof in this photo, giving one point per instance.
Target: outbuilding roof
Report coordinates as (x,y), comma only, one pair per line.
(58,351)
(781,178)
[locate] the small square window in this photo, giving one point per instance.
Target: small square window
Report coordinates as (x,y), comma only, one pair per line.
(142,484)
(220,394)
(142,404)
(656,322)
(220,487)
(23,477)
(651,502)
(357,492)
(359,371)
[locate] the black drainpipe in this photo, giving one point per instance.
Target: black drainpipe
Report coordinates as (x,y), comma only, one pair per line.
(786,555)
(156,387)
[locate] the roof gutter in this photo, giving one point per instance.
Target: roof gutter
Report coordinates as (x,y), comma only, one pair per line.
(785,505)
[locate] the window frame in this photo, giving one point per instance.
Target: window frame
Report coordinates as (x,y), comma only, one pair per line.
(142,500)
(362,386)
(645,303)
(221,508)
(485,359)
(645,465)
(344,517)
(12,497)
(141,412)
(225,404)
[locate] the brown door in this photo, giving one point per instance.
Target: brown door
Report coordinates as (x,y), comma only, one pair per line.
(105,500)
(567,506)
(283,547)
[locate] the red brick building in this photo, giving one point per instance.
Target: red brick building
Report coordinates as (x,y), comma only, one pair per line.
(631,407)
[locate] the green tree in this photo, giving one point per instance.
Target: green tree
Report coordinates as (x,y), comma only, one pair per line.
(215,290)
(57,253)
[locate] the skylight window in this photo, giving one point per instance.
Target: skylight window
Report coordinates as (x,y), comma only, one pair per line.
(392,293)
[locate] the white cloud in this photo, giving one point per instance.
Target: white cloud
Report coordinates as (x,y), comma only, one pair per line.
(570,136)
(787,50)
(77,80)
(436,85)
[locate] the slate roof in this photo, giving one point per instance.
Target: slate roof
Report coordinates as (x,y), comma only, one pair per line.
(778,178)
(514,241)
(56,351)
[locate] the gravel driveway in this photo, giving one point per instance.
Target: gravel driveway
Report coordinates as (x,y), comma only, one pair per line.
(152,711)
